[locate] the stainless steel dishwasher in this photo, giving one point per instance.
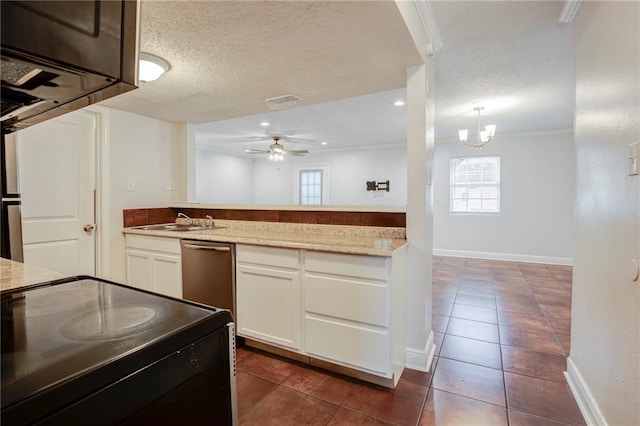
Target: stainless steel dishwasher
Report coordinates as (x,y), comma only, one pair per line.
(208,273)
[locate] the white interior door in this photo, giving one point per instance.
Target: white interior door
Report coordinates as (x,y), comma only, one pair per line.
(57,182)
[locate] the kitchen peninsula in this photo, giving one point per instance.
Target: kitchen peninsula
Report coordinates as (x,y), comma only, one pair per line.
(330,295)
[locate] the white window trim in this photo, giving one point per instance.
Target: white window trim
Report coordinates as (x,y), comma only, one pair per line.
(325,181)
(498,184)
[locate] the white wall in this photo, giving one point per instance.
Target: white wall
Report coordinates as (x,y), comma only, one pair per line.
(273,182)
(536,214)
(223,178)
(604,364)
(141,149)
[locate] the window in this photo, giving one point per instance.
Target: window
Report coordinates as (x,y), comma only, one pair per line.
(475,185)
(311,187)
(311,184)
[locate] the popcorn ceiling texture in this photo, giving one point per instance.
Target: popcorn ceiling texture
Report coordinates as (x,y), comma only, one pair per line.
(227,57)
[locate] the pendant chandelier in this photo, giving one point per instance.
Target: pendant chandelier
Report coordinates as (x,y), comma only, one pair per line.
(483,137)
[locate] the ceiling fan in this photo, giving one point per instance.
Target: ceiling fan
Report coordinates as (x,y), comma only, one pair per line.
(276,151)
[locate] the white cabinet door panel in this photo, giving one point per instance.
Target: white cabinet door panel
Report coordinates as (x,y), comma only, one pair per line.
(139,272)
(350,344)
(268,303)
(268,256)
(351,300)
(347,265)
(167,273)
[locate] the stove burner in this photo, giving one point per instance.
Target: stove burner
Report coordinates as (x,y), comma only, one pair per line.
(111,322)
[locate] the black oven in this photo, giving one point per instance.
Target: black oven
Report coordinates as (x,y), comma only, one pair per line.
(88,351)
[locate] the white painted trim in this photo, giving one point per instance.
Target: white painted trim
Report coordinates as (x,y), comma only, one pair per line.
(569,11)
(419,19)
(425,13)
(504,256)
(421,359)
(103,117)
(581,392)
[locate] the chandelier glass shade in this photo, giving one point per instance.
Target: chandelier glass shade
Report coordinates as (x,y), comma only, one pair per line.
(483,137)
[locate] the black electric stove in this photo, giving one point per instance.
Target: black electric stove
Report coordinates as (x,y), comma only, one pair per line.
(88,351)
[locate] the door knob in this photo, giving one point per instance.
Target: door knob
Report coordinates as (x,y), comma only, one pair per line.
(89,228)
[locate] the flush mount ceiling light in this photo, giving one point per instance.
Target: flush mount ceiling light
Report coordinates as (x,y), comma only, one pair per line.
(151,67)
(483,137)
(399,102)
(265,124)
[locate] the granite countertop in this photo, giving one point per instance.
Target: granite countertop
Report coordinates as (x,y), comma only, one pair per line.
(15,275)
(365,240)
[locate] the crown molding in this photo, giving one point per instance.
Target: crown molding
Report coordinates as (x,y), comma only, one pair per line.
(418,16)
(569,11)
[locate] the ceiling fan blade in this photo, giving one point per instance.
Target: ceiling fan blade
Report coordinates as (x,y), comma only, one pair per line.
(297,152)
(256,151)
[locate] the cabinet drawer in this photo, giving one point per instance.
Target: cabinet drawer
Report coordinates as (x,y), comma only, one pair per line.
(164,245)
(348,265)
(341,298)
(350,344)
(268,256)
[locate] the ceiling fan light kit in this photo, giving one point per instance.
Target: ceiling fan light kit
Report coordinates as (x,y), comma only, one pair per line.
(483,137)
(276,151)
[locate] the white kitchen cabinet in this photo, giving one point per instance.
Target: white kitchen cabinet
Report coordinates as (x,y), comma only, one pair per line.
(268,294)
(154,264)
(354,311)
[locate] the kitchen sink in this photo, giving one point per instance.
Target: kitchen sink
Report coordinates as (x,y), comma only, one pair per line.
(176,227)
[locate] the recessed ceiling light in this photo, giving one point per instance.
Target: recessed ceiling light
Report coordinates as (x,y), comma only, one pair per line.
(399,102)
(323,143)
(151,67)
(265,124)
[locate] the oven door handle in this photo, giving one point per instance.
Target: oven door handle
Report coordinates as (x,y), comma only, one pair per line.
(214,248)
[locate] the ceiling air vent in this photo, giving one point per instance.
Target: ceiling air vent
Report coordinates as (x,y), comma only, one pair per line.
(281,102)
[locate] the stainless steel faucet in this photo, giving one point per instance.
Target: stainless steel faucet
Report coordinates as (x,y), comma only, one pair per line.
(186,217)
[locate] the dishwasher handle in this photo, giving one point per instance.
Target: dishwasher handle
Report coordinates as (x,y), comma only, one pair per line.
(198,247)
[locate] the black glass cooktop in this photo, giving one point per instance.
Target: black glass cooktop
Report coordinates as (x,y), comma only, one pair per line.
(55,332)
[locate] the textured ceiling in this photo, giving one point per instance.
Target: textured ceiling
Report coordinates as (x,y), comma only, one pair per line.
(514,56)
(227,57)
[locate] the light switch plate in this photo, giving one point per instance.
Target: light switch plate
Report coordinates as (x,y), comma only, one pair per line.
(131,184)
(633,159)
(169,185)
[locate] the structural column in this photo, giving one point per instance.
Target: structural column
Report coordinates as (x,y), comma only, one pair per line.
(420,144)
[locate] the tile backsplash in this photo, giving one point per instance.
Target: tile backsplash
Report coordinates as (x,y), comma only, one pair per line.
(152,216)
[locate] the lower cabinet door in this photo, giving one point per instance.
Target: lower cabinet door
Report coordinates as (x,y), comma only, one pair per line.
(268,304)
(355,345)
(167,275)
(139,273)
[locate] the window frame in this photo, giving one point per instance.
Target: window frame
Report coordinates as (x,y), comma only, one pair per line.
(297,170)
(497,185)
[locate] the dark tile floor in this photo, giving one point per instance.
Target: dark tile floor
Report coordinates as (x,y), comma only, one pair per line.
(502,335)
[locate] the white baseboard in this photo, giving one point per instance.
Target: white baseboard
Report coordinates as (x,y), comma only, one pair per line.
(421,359)
(505,256)
(587,404)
